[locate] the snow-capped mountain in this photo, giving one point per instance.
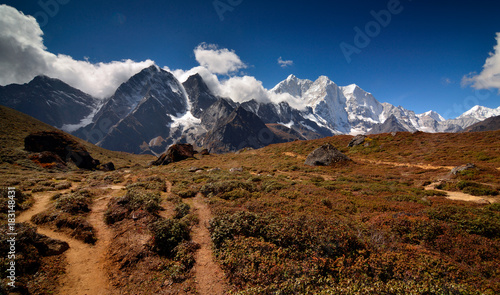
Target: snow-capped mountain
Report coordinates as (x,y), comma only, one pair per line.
(432,115)
(51,101)
(351,110)
(480,113)
(293,85)
(153,110)
(141,110)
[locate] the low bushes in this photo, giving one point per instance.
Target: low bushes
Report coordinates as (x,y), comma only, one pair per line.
(134,200)
(168,234)
(226,186)
(77,226)
(75,203)
(471,220)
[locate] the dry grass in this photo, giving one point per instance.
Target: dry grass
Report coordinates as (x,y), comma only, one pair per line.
(282,226)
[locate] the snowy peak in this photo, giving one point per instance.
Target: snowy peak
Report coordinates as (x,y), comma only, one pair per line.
(49,100)
(433,115)
(151,81)
(293,86)
(200,97)
(480,113)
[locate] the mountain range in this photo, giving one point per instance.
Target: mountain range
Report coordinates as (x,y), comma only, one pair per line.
(153,110)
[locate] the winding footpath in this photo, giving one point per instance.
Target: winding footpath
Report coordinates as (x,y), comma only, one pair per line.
(459,196)
(209,277)
(85,271)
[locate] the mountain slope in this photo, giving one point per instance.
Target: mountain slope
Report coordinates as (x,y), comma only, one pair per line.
(153,110)
(490,124)
(480,113)
(239,130)
(392,124)
(16,126)
(200,97)
(150,83)
(51,101)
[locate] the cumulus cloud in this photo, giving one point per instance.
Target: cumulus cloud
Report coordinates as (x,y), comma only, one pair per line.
(284,63)
(238,89)
(218,61)
(490,76)
(24,56)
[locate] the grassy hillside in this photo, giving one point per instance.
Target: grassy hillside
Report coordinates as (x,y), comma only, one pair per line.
(15,126)
(381,224)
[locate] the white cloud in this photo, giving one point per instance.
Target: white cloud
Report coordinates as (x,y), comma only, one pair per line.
(218,61)
(490,76)
(239,89)
(284,63)
(24,56)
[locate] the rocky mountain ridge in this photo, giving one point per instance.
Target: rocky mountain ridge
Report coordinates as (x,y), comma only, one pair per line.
(154,110)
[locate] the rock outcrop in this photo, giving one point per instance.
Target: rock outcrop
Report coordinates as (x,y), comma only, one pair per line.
(468,166)
(61,145)
(108,167)
(175,153)
(357,140)
(326,155)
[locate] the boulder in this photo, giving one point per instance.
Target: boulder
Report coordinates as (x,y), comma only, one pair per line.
(48,246)
(108,167)
(468,166)
(326,155)
(195,169)
(357,140)
(175,153)
(62,145)
(205,152)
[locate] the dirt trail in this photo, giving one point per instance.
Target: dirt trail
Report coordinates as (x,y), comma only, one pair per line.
(41,202)
(459,196)
(209,276)
(168,207)
(422,166)
(85,271)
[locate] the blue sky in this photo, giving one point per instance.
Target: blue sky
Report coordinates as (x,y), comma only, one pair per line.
(418,60)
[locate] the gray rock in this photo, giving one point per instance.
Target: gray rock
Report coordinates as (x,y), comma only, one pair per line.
(236,170)
(195,169)
(468,166)
(326,155)
(357,140)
